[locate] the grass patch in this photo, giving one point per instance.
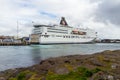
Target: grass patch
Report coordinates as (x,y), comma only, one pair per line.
(81,73)
(22,75)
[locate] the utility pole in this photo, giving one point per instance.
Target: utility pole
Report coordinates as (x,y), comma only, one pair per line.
(17,29)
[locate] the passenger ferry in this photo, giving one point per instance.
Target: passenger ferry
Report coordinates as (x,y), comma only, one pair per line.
(58,34)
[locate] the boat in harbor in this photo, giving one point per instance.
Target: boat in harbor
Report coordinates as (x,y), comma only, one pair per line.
(63,33)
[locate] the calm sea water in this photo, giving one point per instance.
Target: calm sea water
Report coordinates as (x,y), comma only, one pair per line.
(23,56)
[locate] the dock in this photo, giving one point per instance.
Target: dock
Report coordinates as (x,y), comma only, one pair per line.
(13,44)
(108,41)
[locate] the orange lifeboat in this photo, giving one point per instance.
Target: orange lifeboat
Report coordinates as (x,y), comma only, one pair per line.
(82,33)
(75,31)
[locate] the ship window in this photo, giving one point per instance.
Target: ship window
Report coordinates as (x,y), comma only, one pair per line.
(66,36)
(53,35)
(73,36)
(46,35)
(77,37)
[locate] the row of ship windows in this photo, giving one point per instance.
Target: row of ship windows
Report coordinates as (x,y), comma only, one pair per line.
(56,29)
(73,37)
(65,32)
(37,29)
(64,36)
(52,32)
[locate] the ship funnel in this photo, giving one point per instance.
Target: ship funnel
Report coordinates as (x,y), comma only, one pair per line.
(63,21)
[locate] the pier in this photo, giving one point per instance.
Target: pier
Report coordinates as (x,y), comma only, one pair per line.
(108,41)
(11,41)
(13,44)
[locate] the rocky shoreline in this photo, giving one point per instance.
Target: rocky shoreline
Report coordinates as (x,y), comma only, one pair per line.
(99,66)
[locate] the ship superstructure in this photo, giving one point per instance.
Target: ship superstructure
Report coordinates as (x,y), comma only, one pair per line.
(47,34)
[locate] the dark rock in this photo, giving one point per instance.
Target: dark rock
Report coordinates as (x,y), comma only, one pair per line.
(61,71)
(28,76)
(2,78)
(96,62)
(42,62)
(67,61)
(51,62)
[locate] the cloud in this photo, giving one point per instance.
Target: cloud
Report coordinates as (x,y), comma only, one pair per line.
(109,10)
(108,31)
(48,14)
(100,15)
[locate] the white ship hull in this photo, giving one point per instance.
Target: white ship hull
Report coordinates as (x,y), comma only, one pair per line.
(43,40)
(49,36)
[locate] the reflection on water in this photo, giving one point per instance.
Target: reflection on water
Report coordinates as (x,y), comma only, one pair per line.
(22,56)
(36,53)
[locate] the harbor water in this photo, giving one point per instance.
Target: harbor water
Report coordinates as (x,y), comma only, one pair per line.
(24,56)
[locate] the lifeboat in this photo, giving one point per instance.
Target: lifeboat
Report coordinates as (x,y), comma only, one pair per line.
(81,33)
(75,31)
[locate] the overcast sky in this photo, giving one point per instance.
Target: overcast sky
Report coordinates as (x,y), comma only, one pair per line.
(101,15)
